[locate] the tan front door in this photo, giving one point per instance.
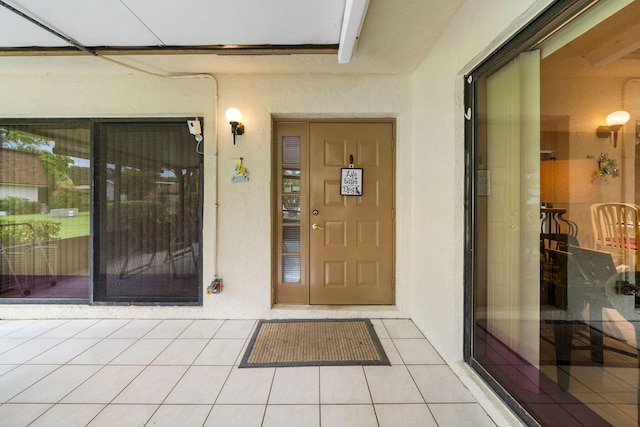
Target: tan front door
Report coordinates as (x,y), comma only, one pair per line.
(351,238)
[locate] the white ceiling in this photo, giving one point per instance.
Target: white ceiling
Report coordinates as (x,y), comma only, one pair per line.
(174,23)
(396,35)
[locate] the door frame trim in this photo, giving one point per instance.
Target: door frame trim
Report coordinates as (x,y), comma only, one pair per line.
(275,208)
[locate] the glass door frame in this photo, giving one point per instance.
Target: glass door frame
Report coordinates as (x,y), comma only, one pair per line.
(530,37)
(94,237)
(95,226)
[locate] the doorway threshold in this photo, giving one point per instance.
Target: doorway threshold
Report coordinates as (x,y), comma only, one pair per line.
(286,311)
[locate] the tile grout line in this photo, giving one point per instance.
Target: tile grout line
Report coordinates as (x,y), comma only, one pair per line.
(209,340)
(32,321)
(230,371)
(26,362)
(319,396)
(103,366)
(364,372)
(151,364)
(108,363)
(139,373)
(266,406)
(60,365)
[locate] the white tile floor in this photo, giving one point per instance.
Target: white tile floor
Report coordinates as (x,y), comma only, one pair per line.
(184,372)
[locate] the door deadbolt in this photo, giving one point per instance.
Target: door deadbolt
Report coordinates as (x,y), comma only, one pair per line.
(316,212)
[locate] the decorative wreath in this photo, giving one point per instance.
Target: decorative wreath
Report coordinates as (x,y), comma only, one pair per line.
(606,167)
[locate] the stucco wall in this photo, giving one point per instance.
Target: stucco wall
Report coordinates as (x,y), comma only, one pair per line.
(437,295)
(240,227)
(244,221)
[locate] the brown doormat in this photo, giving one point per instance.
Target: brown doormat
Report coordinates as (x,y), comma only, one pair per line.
(327,342)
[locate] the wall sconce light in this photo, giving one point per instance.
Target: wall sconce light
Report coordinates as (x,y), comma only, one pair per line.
(233,115)
(615,121)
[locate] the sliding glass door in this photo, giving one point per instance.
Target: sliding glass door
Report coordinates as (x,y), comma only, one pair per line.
(100,211)
(554,221)
(148,191)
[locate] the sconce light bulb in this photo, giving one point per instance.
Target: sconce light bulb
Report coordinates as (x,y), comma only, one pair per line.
(233,114)
(618,118)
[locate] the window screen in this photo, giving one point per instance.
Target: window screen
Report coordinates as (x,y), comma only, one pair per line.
(148,186)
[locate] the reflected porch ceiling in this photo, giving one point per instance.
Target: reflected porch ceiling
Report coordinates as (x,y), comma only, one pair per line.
(220,36)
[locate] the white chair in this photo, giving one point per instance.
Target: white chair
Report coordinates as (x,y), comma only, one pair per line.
(615,230)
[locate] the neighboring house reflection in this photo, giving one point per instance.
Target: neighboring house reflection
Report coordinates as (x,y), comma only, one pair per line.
(22,175)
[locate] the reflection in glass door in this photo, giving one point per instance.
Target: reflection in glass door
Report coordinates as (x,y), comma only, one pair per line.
(45,210)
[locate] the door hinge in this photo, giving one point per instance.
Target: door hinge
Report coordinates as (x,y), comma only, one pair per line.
(393,213)
(467,114)
(393,283)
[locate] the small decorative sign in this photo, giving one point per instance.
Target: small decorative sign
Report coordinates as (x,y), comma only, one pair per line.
(351,182)
(239,173)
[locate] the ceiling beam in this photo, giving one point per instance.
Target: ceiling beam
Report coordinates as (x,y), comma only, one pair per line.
(623,43)
(354,13)
(175,50)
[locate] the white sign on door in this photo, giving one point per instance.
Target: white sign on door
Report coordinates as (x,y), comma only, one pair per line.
(351,182)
